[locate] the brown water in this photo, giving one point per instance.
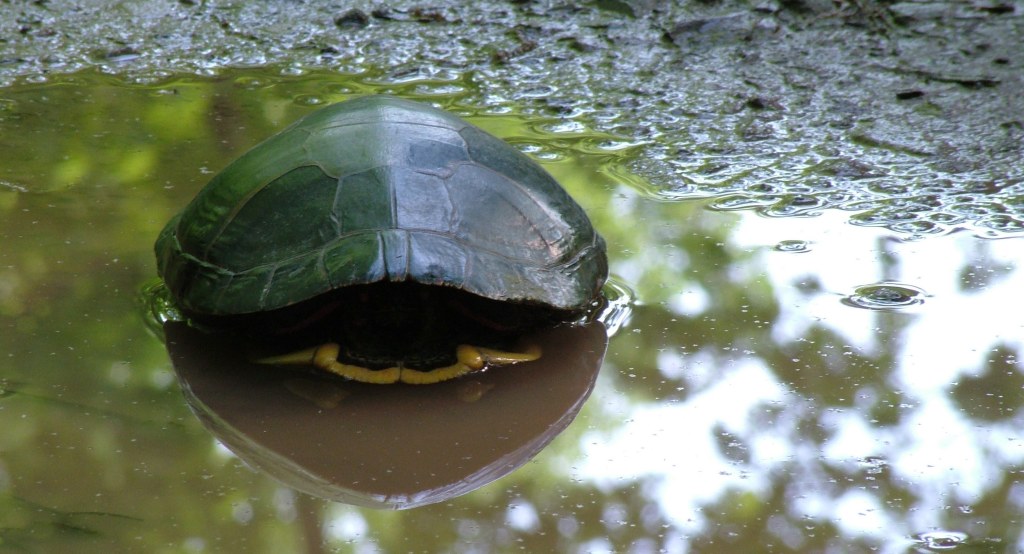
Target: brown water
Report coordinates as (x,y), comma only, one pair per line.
(781,384)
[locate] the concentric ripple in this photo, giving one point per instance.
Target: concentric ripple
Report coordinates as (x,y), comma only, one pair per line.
(885,296)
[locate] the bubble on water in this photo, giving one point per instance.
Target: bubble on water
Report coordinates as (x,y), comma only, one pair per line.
(309,100)
(416,75)
(793,245)
(885,296)
(251,82)
(439,89)
(293,70)
(1001,225)
(341,89)
(794,205)
(614,145)
(917,205)
(939,541)
(919,227)
(538,151)
(564,127)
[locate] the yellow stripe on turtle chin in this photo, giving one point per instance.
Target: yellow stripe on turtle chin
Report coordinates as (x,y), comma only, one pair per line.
(468,359)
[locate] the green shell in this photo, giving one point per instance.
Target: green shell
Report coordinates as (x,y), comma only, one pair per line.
(379,189)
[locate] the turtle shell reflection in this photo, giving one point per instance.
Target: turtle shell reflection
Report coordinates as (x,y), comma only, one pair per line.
(386,447)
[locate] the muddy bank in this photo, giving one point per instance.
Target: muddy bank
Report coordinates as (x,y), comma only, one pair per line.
(907,114)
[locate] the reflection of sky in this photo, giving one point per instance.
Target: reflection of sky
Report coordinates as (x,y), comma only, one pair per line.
(945,459)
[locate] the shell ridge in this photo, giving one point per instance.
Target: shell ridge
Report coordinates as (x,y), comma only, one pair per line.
(526,191)
(468,269)
(408,254)
(533,196)
(207,265)
(393,195)
(454,216)
(268,286)
(333,214)
(360,170)
(395,244)
(319,251)
(321,265)
(224,289)
(549,245)
(386,122)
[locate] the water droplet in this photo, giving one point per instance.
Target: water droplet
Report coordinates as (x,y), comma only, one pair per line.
(885,296)
(308,100)
(250,82)
(793,245)
(941,540)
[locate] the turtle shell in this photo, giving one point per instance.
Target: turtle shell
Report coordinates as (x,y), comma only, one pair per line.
(380,189)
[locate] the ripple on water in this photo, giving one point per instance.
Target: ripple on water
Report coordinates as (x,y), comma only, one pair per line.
(793,245)
(885,296)
(619,306)
(939,541)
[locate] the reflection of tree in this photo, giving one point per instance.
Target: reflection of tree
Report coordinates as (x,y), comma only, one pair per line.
(994,394)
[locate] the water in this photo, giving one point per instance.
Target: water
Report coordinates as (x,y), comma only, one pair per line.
(885,296)
(747,402)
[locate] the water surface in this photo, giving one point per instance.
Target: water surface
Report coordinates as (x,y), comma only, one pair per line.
(782,384)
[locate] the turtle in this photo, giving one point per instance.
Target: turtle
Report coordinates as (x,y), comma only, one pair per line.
(391,224)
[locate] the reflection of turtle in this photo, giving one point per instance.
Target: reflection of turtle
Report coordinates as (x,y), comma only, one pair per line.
(386,447)
(386,207)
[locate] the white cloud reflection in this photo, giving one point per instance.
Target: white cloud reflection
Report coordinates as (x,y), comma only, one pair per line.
(942,456)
